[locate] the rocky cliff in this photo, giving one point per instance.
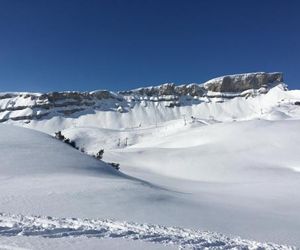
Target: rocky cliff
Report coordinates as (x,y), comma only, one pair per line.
(225,84)
(22,106)
(242,82)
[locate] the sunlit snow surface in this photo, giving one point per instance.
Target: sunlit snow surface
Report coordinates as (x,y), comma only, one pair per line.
(234,173)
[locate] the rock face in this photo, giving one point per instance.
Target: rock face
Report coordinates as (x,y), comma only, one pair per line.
(225,84)
(168,89)
(28,106)
(242,82)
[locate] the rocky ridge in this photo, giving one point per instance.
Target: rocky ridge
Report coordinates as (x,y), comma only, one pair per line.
(22,106)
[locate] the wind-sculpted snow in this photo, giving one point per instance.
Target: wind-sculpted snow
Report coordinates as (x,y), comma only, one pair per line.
(12,225)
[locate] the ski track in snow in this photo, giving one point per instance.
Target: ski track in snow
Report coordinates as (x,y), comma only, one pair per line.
(13,225)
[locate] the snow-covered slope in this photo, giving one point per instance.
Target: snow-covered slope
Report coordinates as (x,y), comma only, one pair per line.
(248,150)
(277,104)
(190,157)
(27,152)
(238,97)
(43,176)
(247,171)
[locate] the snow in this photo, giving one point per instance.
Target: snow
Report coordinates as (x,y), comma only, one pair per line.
(76,243)
(52,157)
(144,110)
(45,189)
(148,112)
(245,171)
(224,152)
(49,227)
(252,143)
(233,170)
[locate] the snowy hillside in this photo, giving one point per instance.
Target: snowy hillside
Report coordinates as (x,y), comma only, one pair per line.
(241,151)
(52,156)
(226,98)
(45,176)
(201,166)
(246,171)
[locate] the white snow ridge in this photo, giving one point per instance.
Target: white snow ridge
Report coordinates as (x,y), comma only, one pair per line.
(12,225)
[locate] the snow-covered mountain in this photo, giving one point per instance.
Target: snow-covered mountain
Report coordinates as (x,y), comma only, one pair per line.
(220,156)
(146,106)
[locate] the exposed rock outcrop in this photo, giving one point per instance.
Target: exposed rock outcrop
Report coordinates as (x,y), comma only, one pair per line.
(242,82)
(168,89)
(231,83)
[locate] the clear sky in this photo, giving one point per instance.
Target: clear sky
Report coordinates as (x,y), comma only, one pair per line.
(108,44)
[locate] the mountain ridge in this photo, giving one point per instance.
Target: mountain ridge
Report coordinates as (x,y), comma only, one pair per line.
(18,106)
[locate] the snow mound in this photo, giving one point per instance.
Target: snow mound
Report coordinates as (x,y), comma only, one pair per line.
(12,225)
(26,152)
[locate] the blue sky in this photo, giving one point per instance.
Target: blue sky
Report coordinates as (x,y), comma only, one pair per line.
(86,44)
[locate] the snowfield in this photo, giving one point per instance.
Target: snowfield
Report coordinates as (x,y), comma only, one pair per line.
(226,178)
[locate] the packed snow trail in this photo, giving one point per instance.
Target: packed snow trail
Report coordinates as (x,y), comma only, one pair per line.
(12,225)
